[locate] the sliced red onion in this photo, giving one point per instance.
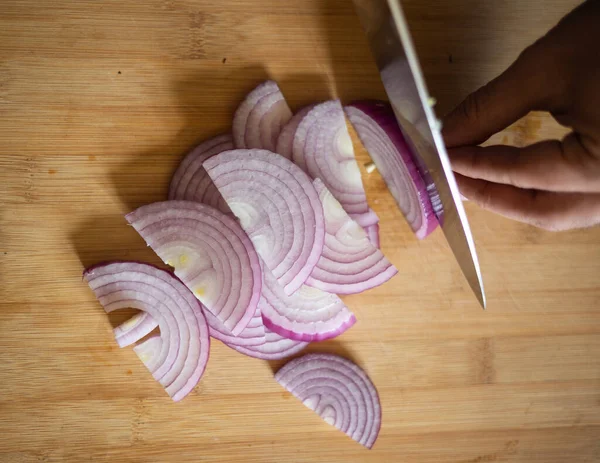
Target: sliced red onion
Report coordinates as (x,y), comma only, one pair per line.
(251,336)
(211,254)
(366,219)
(190,181)
(141,324)
(178,358)
(285,141)
(323,148)
(307,315)
(275,347)
(148,351)
(370,223)
(350,263)
(378,130)
(134,329)
(338,390)
(260,117)
(372,232)
(255,341)
(277,206)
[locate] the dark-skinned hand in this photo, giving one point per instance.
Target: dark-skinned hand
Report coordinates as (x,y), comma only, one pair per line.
(552,184)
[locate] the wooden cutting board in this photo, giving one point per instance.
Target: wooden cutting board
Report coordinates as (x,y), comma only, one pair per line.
(98,103)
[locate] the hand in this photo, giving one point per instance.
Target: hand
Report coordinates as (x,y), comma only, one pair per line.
(552,184)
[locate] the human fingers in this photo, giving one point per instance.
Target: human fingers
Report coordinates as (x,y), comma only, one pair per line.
(565,166)
(538,80)
(548,210)
(524,86)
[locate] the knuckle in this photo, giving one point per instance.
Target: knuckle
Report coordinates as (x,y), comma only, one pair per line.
(484,195)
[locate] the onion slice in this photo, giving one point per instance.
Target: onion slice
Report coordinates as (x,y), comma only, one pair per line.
(378,130)
(260,117)
(277,206)
(285,141)
(370,223)
(350,263)
(372,232)
(251,336)
(178,358)
(190,181)
(275,347)
(148,351)
(134,329)
(257,340)
(308,315)
(211,254)
(323,148)
(366,219)
(338,390)
(141,324)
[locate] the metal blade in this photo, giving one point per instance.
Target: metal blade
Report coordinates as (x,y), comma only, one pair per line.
(402,78)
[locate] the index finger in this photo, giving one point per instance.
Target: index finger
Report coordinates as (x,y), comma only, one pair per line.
(528,84)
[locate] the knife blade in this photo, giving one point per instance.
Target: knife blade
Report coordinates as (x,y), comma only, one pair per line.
(392,47)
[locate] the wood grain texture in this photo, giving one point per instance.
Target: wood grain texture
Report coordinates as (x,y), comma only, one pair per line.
(98,103)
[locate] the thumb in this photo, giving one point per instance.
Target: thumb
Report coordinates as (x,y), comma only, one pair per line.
(528,84)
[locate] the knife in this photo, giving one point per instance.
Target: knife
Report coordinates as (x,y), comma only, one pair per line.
(392,47)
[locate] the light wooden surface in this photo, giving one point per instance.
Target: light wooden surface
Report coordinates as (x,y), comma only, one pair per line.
(98,102)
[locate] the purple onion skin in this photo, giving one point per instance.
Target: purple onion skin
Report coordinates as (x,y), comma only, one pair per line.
(383,115)
(387,112)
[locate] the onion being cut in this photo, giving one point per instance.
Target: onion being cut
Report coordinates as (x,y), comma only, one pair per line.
(338,390)
(278,207)
(307,315)
(322,147)
(191,182)
(134,329)
(350,262)
(285,141)
(178,357)
(260,117)
(210,253)
(376,125)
